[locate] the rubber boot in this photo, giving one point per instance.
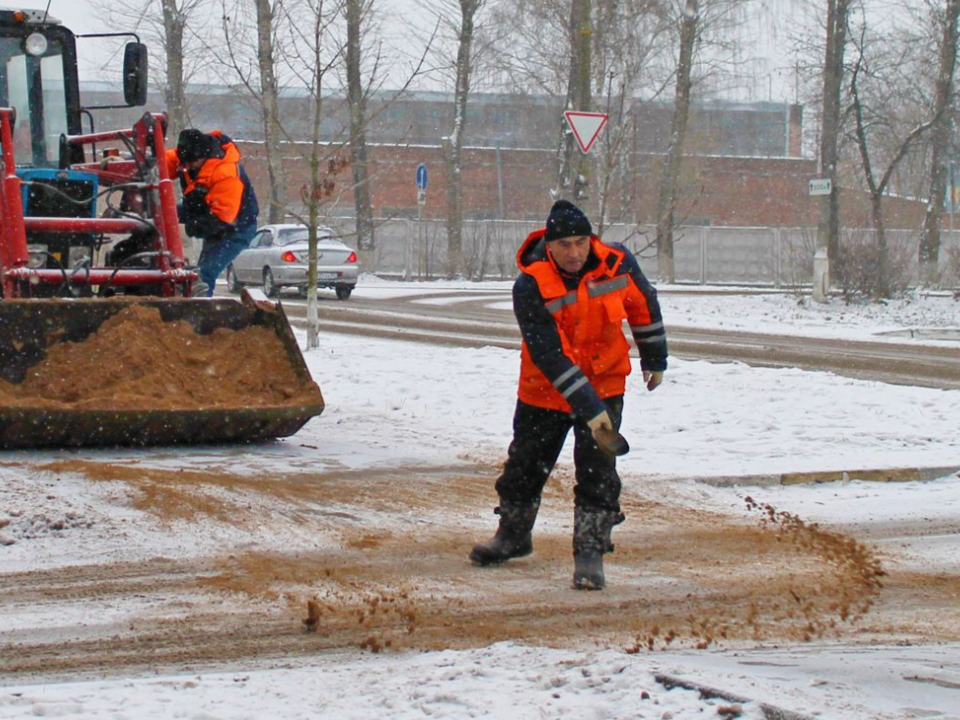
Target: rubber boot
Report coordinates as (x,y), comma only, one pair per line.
(591,539)
(514,535)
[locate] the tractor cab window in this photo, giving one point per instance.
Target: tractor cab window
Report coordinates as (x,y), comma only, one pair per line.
(35,86)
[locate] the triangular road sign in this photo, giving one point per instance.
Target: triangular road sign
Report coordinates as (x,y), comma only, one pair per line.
(586,127)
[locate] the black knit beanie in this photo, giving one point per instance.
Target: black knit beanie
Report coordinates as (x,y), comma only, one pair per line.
(566,220)
(195,145)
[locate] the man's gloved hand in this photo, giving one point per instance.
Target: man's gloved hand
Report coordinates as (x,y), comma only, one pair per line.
(608,439)
(653,378)
(600,421)
(195,201)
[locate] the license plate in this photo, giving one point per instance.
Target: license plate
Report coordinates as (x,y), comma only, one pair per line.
(327,276)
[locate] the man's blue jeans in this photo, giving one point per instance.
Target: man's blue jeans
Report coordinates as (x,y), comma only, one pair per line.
(217,254)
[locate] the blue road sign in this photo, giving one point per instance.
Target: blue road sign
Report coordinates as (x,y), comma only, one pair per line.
(422,176)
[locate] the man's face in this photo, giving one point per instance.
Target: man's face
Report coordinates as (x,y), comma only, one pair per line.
(570,253)
(195,164)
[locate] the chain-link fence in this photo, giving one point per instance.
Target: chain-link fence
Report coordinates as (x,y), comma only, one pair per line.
(753,256)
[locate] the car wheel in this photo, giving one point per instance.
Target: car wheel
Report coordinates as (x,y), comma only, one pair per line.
(343,291)
(270,288)
(233,285)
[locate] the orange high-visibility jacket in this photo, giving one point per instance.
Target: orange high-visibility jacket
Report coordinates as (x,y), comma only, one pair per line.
(221,177)
(574,351)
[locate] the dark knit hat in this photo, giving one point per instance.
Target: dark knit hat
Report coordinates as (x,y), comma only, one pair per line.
(195,145)
(566,220)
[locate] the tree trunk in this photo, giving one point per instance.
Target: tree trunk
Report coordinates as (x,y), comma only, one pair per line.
(468,11)
(670,176)
(173,91)
(929,250)
(572,167)
(268,109)
(358,141)
(828,226)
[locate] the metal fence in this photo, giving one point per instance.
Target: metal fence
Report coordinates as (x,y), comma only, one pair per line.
(764,257)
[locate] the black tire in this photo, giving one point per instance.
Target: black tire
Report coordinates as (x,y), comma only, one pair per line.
(343,291)
(233,285)
(270,288)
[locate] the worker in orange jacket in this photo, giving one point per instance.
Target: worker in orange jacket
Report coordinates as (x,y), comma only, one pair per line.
(570,300)
(219,203)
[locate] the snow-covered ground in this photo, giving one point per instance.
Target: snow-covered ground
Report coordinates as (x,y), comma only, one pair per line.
(392,403)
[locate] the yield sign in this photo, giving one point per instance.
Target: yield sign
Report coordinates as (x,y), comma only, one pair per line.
(586,127)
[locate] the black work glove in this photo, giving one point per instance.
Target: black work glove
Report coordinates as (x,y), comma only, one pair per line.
(208,227)
(195,203)
(198,220)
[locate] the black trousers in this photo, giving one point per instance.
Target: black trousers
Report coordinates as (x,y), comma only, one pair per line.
(538,437)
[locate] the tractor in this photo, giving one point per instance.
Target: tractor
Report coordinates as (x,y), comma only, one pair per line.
(89,229)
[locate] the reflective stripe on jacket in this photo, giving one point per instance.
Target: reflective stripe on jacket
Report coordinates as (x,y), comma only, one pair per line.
(574,351)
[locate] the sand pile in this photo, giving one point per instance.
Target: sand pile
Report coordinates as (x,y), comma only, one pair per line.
(136,361)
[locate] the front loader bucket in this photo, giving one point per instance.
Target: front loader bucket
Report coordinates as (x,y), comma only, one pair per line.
(151,371)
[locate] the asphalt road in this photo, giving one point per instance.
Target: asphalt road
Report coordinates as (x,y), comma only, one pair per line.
(476,319)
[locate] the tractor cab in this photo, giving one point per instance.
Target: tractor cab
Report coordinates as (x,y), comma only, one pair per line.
(39,81)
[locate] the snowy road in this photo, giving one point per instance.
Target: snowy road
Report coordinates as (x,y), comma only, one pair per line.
(835,600)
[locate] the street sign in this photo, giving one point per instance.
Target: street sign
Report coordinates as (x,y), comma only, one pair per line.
(586,127)
(821,186)
(422,176)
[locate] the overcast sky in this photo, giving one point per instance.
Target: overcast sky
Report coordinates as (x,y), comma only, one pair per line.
(397,15)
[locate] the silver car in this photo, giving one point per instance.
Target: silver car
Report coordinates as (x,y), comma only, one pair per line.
(278,257)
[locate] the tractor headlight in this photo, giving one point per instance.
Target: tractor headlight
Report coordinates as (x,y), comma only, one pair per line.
(35,44)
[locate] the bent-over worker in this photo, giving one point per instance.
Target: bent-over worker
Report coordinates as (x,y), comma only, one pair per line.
(219,204)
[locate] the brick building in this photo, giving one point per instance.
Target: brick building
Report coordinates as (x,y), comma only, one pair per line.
(743,166)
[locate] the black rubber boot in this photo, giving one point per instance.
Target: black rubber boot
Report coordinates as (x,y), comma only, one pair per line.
(591,539)
(514,535)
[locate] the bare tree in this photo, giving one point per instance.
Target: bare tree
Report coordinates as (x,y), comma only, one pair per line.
(929,250)
(572,167)
(320,188)
(269,92)
(167,24)
(454,142)
(670,174)
(865,120)
(257,75)
(828,227)
(628,42)
(356,12)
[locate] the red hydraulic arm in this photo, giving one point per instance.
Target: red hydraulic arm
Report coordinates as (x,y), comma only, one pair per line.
(144,139)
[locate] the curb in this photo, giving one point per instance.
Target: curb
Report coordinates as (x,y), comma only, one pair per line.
(770,712)
(886,475)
